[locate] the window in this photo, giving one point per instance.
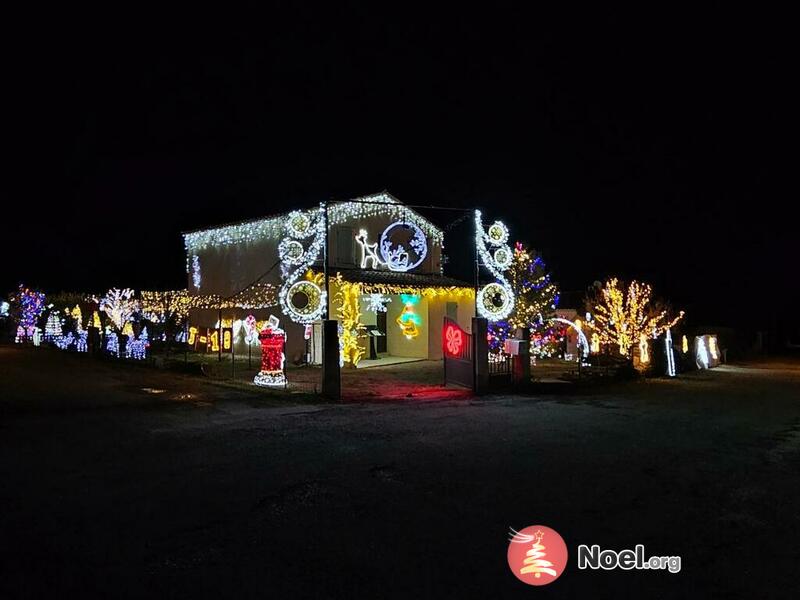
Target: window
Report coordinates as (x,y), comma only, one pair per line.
(345,247)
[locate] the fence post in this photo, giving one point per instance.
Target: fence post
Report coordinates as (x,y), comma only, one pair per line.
(522,362)
(480,354)
(331,373)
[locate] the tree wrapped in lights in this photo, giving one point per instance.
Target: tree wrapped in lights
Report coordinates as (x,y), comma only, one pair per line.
(536,300)
(622,317)
(120,306)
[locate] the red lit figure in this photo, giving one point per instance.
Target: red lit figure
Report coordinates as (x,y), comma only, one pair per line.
(273,342)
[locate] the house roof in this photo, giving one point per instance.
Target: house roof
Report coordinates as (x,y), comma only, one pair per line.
(398,278)
(338,212)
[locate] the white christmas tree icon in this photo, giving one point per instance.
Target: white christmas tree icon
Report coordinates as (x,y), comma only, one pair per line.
(535,562)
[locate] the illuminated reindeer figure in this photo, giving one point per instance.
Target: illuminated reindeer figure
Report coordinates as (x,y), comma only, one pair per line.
(369,252)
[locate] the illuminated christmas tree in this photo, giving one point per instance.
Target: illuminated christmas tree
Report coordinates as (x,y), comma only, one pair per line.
(52,329)
(536,300)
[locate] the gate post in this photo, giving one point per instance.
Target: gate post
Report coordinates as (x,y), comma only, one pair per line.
(331,373)
(522,363)
(480,354)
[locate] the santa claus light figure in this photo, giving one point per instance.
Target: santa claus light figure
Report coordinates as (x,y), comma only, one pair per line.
(273,342)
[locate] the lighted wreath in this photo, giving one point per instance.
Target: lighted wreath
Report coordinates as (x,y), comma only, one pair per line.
(291,252)
(497,234)
(495,302)
(502,256)
(304,301)
(298,224)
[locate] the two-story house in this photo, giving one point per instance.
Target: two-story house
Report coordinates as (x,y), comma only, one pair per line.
(386,282)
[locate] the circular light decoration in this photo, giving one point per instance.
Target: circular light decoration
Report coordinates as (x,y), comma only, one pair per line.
(497,234)
(298,224)
(403,255)
(304,301)
(495,301)
(291,252)
(502,256)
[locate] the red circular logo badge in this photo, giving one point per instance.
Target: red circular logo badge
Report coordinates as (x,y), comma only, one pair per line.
(537,555)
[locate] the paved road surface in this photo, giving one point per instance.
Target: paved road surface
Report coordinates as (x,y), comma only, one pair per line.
(202,491)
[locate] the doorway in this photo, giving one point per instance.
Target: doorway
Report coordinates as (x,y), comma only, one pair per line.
(380,343)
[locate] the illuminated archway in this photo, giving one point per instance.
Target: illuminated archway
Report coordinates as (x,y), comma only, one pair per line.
(584,343)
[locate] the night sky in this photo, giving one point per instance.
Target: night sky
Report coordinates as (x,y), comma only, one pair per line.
(648,146)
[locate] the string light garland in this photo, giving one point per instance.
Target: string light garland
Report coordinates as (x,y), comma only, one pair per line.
(274,227)
(349,313)
(158,306)
(621,318)
(426,292)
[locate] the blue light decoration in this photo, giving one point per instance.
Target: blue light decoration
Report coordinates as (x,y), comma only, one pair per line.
(31,305)
(112,342)
(64,341)
(137,349)
(81,345)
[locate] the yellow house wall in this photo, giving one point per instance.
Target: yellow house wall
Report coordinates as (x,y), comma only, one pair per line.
(396,343)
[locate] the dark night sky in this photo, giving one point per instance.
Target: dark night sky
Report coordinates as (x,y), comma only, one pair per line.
(659,139)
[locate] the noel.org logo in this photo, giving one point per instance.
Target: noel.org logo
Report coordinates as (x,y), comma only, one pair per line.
(537,555)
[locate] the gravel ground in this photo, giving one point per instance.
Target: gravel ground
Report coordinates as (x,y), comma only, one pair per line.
(118,481)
